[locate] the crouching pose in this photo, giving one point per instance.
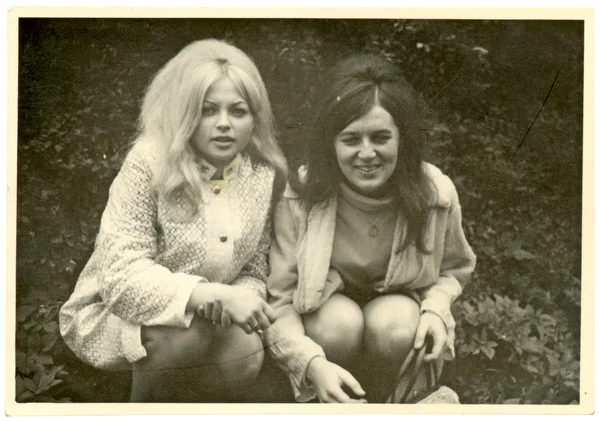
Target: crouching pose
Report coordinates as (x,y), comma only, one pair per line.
(369,251)
(175,289)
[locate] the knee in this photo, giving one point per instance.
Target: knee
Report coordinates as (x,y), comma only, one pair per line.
(337,326)
(249,367)
(168,346)
(390,326)
(239,356)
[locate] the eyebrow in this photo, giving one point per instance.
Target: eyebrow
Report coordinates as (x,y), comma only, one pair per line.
(351,133)
(241,102)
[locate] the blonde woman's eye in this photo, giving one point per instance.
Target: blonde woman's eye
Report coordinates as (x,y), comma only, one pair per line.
(208,111)
(239,112)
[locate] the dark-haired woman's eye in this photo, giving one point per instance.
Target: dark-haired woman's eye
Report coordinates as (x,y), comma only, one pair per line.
(350,141)
(381,138)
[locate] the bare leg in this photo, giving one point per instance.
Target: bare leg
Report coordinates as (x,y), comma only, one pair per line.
(390,327)
(338,327)
(238,358)
(199,364)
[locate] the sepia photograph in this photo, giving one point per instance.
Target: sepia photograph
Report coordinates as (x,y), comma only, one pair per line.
(292,209)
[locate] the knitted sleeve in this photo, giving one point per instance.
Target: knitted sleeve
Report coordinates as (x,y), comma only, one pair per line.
(286,339)
(131,284)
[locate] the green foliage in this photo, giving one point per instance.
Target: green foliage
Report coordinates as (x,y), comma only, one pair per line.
(484,82)
(37,377)
(517,339)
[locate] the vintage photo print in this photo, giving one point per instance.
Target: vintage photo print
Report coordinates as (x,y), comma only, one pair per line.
(267,210)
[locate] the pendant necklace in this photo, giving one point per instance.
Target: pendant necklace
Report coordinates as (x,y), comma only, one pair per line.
(374,231)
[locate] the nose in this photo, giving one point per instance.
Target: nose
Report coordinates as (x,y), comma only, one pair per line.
(367,151)
(223,123)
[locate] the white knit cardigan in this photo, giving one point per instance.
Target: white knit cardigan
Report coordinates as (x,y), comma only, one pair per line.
(146,261)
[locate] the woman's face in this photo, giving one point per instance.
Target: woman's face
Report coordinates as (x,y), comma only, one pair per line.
(367,151)
(226,124)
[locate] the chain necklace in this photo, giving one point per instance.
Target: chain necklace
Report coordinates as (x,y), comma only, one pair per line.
(374,231)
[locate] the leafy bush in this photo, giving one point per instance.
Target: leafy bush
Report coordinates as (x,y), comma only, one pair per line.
(37,334)
(531,345)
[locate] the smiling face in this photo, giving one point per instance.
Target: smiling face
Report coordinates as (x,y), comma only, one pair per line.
(367,151)
(226,124)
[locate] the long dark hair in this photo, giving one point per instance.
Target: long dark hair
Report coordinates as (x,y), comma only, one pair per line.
(348,93)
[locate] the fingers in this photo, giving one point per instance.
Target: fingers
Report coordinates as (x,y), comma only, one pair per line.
(263,321)
(349,380)
(216,311)
(337,395)
(334,388)
(422,330)
(270,313)
(208,310)
(225,319)
(248,326)
(439,343)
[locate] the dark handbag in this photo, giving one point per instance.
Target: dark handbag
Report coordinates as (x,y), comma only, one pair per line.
(407,388)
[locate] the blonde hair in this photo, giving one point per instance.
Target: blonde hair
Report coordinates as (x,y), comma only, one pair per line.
(171,113)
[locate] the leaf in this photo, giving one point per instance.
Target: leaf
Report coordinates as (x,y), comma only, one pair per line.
(38,376)
(21,360)
(22,397)
(45,381)
(521,254)
(19,385)
(48,341)
(553,364)
(30,324)
(442,128)
(513,401)
(24,311)
(45,359)
(532,345)
(51,327)
(488,351)
(30,385)
(56,370)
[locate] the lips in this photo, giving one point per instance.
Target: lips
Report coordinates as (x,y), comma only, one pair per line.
(367,168)
(223,139)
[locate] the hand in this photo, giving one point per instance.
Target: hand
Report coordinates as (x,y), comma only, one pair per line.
(246,310)
(330,380)
(432,325)
(215,313)
(226,304)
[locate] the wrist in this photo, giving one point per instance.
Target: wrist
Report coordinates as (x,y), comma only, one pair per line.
(315,366)
(430,313)
(204,293)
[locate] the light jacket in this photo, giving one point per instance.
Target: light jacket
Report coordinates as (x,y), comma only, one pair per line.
(147,260)
(301,278)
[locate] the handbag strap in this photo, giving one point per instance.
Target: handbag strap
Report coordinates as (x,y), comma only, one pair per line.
(414,358)
(414,374)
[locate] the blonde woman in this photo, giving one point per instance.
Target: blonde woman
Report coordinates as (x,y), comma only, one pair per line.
(175,288)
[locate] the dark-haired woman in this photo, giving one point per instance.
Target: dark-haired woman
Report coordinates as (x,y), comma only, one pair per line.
(369,252)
